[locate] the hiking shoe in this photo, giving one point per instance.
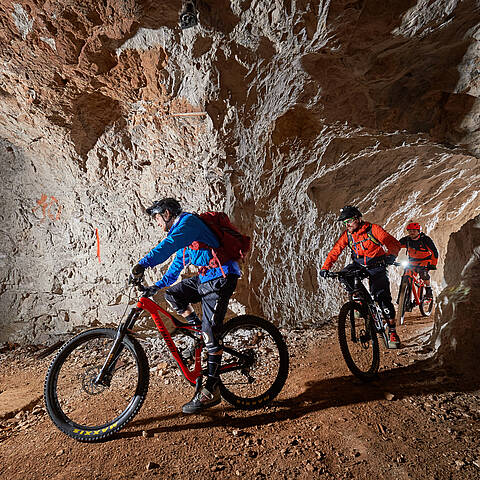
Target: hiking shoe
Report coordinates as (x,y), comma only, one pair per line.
(202,400)
(393,340)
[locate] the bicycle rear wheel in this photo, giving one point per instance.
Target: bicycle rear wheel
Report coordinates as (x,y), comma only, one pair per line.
(80,407)
(403,300)
(254,363)
(358,341)
(426,304)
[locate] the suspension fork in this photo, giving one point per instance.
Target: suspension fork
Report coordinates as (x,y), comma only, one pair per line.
(359,294)
(407,280)
(353,332)
(105,375)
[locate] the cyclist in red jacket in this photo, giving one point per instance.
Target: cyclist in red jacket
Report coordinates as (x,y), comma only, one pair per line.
(366,241)
(421,251)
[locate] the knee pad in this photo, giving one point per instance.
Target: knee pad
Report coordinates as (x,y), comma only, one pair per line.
(213,346)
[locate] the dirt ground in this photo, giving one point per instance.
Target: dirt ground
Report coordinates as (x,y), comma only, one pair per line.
(412,423)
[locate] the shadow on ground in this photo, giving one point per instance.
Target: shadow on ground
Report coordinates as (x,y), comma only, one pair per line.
(417,379)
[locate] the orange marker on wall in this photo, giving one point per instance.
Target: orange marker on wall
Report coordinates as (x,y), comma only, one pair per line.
(98,245)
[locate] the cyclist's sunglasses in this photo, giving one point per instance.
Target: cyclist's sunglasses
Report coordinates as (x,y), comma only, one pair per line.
(348,221)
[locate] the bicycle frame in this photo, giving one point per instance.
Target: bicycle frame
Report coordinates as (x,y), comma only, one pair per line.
(415,283)
(193,376)
(360,292)
(155,311)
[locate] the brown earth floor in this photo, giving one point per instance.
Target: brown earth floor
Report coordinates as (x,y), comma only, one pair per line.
(412,423)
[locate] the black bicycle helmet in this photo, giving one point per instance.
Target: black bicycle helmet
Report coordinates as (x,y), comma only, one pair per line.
(349,211)
(160,206)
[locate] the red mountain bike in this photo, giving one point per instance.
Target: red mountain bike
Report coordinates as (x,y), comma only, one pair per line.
(99,379)
(412,292)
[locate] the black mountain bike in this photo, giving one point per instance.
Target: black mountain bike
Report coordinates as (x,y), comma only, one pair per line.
(360,321)
(99,379)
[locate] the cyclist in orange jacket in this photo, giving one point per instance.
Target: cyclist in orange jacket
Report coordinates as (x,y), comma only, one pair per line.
(421,251)
(366,241)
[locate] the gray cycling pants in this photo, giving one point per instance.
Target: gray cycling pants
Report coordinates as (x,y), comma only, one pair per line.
(214,295)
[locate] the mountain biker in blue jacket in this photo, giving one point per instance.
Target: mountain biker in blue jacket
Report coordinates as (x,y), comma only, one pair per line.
(212,286)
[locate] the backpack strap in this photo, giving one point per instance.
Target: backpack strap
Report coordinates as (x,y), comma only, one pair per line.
(351,243)
(218,263)
(370,235)
(203,270)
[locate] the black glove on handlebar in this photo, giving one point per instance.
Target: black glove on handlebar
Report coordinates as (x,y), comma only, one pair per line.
(390,259)
(150,291)
(324,273)
(136,275)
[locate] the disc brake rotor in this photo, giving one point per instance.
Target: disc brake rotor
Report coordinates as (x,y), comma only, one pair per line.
(88,381)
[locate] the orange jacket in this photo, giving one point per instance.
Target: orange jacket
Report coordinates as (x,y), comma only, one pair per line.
(421,251)
(364,250)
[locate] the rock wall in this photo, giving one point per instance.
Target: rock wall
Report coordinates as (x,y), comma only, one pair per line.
(455,338)
(277,112)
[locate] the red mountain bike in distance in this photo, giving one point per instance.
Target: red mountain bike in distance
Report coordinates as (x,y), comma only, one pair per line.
(412,292)
(99,379)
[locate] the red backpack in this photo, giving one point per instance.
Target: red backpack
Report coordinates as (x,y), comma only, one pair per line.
(233,245)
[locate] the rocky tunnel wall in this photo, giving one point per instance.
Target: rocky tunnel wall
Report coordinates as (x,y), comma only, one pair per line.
(455,340)
(277,112)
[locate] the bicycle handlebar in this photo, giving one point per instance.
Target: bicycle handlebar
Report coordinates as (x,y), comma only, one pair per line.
(408,265)
(143,288)
(333,274)
(341,273)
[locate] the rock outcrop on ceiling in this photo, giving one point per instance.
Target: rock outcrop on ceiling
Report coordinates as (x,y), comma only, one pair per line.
(278,112)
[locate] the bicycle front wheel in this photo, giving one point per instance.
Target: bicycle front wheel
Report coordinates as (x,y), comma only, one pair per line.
(358,341)
(403,300)
(254,364)
(84,409)
(426,303)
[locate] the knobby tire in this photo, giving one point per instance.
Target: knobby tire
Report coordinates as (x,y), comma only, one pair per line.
(426,308)
(256,386)
(74,368)
(403,299)
(363,355)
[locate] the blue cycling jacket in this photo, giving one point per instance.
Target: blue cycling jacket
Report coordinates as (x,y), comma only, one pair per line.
(187,229)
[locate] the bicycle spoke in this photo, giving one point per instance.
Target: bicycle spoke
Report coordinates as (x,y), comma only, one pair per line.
(81,399)
(358,341)
(262,360)
(254,364)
